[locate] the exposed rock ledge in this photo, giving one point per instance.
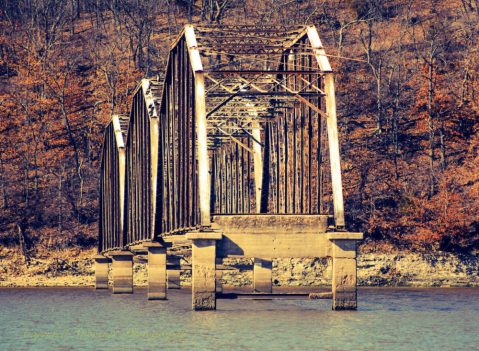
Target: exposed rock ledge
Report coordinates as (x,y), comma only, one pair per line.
(75,268)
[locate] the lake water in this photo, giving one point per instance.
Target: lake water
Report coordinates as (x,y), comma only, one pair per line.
(387,319)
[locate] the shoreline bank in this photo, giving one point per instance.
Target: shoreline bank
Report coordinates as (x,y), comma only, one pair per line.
(75,268)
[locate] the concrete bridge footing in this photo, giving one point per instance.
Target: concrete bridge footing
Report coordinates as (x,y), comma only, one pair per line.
(262,275)
(239,237)
(344,284)
(174,275)
(219,277)
(203,284)
(208,250)
(122,272)
(102,266)
(157,284)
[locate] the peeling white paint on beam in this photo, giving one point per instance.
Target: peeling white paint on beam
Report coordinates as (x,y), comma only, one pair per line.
(332,125)
(204,179)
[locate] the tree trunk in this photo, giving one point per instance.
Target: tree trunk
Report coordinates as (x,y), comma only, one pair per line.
(430,93)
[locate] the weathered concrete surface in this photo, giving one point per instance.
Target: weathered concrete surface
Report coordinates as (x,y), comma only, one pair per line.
(102,267)
(156,272)
(274,245)
(273,236)
(262,275)
(219,281)
(203,269)
(272,224)
(122,272)
(174,281)
(344,284)
(344,281)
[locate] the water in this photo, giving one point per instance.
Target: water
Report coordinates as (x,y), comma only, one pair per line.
(388,319)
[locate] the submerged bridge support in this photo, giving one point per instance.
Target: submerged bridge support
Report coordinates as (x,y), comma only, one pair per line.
(157,283)
(102,268)
(236,149)
(262,275)
(122,272)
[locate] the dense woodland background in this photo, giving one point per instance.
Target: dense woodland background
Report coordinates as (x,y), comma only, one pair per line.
(408,94)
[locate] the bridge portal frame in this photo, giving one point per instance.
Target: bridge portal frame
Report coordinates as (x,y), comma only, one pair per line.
(311,33)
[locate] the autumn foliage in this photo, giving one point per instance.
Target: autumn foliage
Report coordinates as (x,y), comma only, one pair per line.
(407,75)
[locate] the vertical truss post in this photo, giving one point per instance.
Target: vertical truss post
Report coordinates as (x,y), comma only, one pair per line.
(202,146)
(201,127)
(334,155)
(121,164)
(258,164)
(154,142)
(332,125)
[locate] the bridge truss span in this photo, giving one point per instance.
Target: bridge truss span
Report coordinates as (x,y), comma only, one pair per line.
(242,121)
(235,149)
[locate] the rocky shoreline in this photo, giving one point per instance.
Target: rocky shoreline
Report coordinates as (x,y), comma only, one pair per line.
(74,267)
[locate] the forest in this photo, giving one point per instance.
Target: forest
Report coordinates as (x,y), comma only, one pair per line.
(407,75)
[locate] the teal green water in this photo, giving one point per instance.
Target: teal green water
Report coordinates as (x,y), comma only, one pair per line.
(388,319)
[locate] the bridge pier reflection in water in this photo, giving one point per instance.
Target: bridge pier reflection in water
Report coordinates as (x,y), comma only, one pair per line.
(234,148)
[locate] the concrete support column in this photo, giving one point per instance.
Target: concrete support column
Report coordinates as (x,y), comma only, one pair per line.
(122,272)
(203,270)
(101,272)
(262,275)
(173,274)
(219,277)
(156,271)
(344,270)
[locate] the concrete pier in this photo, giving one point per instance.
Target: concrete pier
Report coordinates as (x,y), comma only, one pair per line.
(219,279)
(174,279)
(122,272)
(203,283)
(174,274)
(156,271)
(262,275)
(344,285)
(101,272)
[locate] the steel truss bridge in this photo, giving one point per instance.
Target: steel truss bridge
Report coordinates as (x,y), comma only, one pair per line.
(235,146)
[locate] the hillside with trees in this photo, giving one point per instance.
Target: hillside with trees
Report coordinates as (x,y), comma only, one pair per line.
(407,75)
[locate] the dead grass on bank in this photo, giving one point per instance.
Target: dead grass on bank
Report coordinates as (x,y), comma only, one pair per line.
(60,267)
